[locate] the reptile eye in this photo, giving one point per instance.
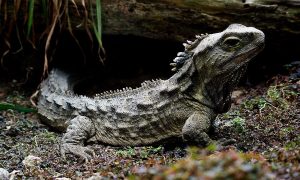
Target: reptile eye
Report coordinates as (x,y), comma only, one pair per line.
(231,41)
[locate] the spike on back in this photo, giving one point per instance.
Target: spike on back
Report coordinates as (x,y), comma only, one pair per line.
(128,90)
(187,54)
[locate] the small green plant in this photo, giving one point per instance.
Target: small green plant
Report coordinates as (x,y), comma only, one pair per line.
(24,124)
(294,144)
(256,103)
(127,152)
(285,132)
(274,95)
(46,135)
(142,152)
(212,147)
(239,124)
(231,114)
(155,150)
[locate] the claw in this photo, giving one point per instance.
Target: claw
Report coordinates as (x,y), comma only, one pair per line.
(84,153)
(173,64)
(189,42)
(181,54)
(178,59)
(185,45)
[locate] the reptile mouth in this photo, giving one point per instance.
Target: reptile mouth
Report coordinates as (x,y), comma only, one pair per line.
(243,58)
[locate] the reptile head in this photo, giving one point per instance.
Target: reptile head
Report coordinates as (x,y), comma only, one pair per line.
(217,61)
(228,50)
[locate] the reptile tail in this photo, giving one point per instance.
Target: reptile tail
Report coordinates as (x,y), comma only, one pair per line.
(52,99)
(58,82)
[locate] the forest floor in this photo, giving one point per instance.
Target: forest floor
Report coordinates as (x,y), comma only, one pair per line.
(264,121)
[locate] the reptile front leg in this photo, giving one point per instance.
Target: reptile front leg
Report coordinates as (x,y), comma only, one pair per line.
(80,129)
(195,129)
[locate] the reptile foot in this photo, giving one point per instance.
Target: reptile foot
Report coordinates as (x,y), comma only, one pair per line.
(82,152)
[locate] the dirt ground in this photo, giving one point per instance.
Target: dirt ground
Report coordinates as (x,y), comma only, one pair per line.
(264,124)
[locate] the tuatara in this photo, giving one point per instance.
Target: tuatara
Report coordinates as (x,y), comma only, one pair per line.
(185,105)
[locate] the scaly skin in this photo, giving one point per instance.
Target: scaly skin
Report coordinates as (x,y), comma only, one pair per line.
(185,105)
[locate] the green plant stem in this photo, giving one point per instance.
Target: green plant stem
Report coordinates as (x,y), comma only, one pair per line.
(30,17)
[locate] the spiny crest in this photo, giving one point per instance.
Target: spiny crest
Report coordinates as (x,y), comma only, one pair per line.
(148,84)
(188,47)
(127,90)
(113,92)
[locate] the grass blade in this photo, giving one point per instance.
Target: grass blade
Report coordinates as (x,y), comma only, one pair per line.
(30,17)
(45,10)
(97,27)
(6,106)
(97,23)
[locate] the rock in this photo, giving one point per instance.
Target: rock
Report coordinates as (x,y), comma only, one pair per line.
(96,176)
(4,174)
(31,161)
(15,173)
(237,94)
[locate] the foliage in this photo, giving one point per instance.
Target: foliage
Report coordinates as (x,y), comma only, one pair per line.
(277,96)
(17,20)
(48,136)
(14,101)
(271,126)
(236,121)
(239,124)
(255,103)
(222,165)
